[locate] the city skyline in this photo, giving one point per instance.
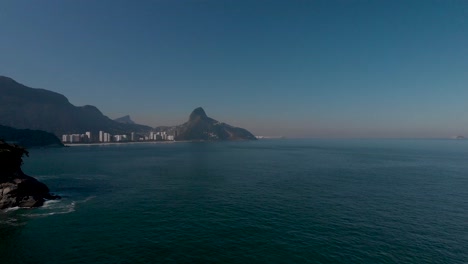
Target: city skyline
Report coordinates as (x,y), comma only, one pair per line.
(297,69)
(105,137)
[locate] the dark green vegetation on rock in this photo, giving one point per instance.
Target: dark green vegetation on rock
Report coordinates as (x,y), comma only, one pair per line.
(17,188)
(30,108)
(201,127)
(29,138)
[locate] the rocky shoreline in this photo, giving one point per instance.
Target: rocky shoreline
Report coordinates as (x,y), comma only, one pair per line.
(16,188)
(24,191)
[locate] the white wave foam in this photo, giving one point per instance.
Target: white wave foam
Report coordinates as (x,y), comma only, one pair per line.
(88,199)
(46,177)
(11,209)
(70,208)
(50,203)
(12,222)
(56,207)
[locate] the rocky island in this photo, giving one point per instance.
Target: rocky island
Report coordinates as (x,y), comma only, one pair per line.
(16,188)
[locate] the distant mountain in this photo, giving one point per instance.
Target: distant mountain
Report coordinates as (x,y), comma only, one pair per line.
(125,120)
(40,109)
(29,138)
(201,127)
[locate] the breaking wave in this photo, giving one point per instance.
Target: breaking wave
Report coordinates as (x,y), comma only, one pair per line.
(56,207)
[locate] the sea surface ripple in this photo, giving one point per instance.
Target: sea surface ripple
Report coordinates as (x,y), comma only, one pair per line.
(268,201)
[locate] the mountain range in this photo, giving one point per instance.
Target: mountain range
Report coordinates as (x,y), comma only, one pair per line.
(39,109)
(24,107)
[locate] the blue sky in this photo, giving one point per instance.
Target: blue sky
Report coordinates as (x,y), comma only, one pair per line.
(295,68)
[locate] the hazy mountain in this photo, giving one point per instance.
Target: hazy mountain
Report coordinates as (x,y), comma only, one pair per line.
(29,138)
(124,120)
(31,108)
(201,127)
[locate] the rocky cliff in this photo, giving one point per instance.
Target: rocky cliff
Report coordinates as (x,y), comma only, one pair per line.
(17,188)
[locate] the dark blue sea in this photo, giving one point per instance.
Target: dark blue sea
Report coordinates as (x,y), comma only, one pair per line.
(268,201)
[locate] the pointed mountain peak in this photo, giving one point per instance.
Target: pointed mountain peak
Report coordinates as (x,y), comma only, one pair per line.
(198,113)
(125,119)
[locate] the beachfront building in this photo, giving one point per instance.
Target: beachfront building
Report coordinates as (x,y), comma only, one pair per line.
(104,137)
(107,137)
(76,138)
(120,138)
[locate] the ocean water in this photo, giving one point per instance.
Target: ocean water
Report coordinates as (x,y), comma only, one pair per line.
(269,201)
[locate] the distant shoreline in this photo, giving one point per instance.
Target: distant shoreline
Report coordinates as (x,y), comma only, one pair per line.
(119,143)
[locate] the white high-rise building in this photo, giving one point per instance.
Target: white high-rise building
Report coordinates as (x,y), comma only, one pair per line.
(101,136)
(88,134)
(107,137)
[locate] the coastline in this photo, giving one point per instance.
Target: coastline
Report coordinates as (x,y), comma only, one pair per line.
(119,143)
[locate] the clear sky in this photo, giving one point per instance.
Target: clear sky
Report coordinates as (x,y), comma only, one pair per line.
(294,68)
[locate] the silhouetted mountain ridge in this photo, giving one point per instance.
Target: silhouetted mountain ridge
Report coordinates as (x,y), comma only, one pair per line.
(125,120)
(201,127)
(31,108)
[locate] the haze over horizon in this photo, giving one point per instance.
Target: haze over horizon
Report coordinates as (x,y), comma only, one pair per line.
(297,69)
